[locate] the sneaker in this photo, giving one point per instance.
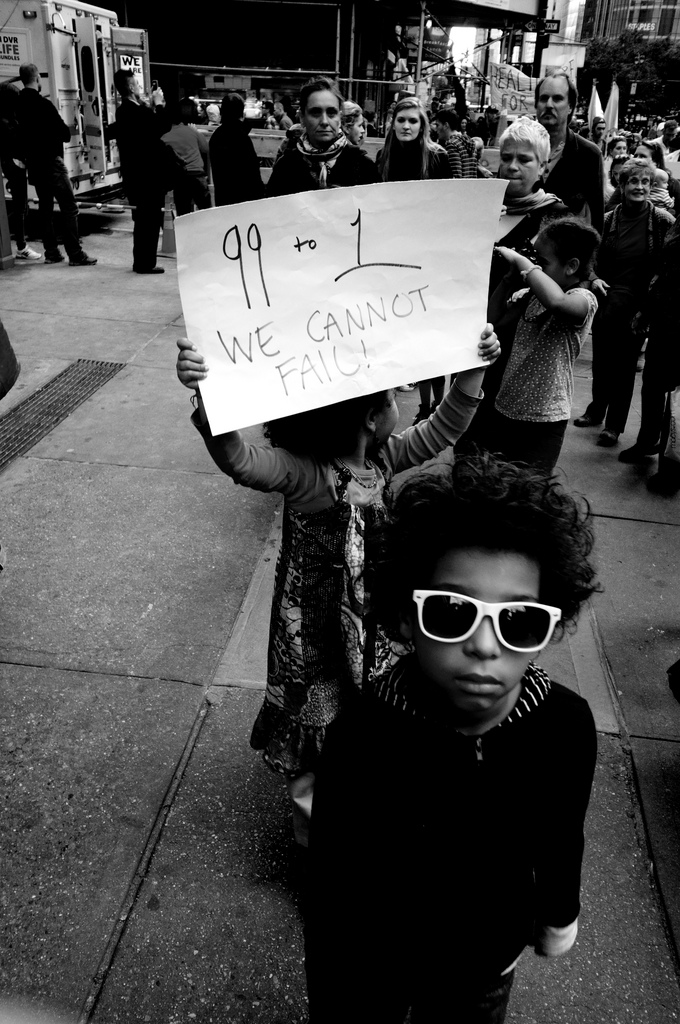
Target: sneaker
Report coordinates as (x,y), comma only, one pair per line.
(28,254)
(608,438)
(82,261)
(54,256)
(406,387)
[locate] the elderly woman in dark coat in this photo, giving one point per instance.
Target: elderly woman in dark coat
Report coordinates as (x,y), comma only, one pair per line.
(629,256)
(661,374)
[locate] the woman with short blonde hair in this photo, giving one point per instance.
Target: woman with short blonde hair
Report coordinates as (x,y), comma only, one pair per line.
(531,133)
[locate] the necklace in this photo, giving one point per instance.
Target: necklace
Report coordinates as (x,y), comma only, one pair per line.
(362,483)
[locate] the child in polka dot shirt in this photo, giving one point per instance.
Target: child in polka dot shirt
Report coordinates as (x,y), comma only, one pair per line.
(534,401)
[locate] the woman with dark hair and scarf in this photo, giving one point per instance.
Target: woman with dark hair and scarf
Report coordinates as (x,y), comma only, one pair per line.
(322,157)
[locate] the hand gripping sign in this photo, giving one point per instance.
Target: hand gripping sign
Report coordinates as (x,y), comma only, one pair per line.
(300,301)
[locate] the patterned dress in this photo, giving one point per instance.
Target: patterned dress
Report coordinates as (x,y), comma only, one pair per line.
(313,667)
(317,639)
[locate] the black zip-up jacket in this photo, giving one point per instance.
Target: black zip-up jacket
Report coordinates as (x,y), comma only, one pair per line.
(43,131)
(434,854)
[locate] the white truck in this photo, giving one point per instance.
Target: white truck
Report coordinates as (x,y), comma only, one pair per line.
(77,48)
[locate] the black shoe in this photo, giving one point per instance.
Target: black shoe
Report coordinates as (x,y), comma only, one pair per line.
(422,414)
(152,270)
(638,454)
(668,485)
(608,438)
(586,421)
(82,261)
(53,256)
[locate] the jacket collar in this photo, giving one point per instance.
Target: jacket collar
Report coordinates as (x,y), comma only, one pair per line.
(402,689)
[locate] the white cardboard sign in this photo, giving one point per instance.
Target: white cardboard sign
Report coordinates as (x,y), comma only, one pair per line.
(305,300)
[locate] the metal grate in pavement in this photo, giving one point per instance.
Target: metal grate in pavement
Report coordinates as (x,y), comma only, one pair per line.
(39,413)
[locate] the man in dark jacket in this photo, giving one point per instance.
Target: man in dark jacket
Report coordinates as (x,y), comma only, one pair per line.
(44,133)
(144,162)
(575,168)
(235,166)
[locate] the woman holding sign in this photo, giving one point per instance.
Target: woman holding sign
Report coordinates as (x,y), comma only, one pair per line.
(333,466)
(322,156)
(410,154)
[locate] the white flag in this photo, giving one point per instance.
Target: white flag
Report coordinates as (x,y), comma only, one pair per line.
(595,108)
(611,114)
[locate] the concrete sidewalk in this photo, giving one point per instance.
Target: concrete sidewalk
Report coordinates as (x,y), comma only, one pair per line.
(149,870)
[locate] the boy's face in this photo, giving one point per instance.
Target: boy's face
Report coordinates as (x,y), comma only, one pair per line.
(479,678)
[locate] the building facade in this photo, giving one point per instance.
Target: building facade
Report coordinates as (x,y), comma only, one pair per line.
(653,19)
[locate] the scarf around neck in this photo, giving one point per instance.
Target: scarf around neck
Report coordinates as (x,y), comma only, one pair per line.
(526,204)
(321,160)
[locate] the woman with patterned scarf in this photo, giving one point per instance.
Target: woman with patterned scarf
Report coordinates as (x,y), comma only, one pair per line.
(322,157)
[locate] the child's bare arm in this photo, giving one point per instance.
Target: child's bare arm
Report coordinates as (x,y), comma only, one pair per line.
(547,291)
(470,381)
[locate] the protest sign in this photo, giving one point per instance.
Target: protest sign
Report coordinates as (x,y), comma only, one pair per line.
(512,91)
(300,301)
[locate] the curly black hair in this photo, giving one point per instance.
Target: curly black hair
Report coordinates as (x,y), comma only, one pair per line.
(572,239)
(327,432)
(483,502)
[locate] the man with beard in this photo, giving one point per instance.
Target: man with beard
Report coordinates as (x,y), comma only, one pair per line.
(575,168)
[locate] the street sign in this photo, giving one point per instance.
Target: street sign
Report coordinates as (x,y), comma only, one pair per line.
(542,25)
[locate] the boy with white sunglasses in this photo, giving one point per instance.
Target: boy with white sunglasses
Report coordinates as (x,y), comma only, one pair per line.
(447,831)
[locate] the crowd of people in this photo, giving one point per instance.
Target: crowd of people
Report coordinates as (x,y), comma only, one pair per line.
(403,630)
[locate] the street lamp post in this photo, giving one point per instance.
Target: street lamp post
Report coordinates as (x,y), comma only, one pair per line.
(421,34)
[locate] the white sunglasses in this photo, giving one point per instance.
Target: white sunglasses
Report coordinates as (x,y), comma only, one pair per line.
(522,626)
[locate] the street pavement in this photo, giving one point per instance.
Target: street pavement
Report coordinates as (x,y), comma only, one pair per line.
(148,871)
